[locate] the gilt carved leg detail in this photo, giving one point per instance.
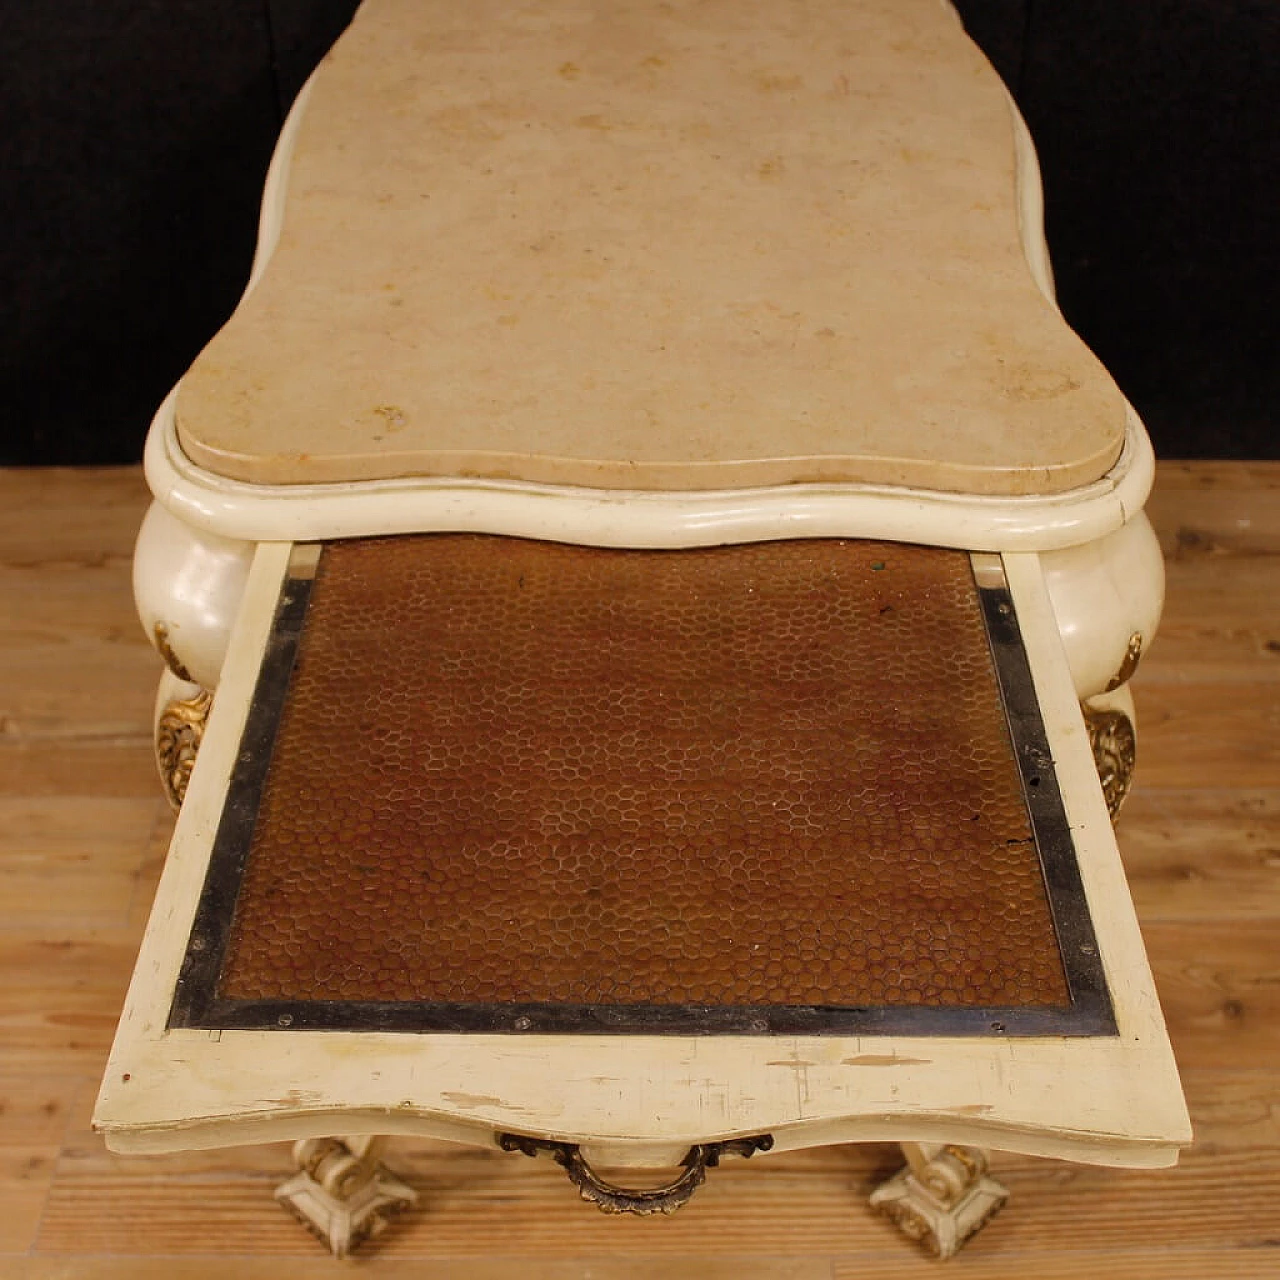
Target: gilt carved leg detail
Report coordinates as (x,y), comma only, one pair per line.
(182,710)
(342,1193)
(1109,720)
(942,1197)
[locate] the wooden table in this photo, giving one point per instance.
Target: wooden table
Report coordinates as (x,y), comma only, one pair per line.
(780,298)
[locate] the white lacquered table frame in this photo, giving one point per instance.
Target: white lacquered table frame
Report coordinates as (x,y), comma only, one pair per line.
(1085,573)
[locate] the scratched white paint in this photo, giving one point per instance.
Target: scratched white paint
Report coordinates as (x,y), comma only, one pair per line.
(1100,1100)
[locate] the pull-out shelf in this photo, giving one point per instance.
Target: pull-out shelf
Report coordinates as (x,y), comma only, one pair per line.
(645,857)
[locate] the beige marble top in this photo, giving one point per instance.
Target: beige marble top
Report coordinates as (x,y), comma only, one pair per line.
(631,244)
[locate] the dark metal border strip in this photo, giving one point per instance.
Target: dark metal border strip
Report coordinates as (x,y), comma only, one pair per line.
(194,993)
(1087,1019)
(197,1005)
(1081,960)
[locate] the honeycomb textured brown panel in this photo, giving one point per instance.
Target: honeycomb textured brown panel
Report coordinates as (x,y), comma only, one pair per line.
(512,771)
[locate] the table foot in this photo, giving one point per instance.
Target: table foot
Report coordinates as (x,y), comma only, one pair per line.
(942,1197)
(341,1193)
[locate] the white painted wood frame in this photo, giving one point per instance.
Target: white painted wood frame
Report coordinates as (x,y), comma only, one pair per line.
(1110,1100)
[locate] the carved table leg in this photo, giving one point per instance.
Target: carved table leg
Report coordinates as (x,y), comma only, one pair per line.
(341,1193)
(942,1197)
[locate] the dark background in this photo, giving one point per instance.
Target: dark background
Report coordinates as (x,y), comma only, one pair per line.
(135,136)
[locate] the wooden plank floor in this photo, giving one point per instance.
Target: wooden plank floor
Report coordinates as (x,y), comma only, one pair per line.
(82,836)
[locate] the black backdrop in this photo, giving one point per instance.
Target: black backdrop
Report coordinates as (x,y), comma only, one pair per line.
(135,134)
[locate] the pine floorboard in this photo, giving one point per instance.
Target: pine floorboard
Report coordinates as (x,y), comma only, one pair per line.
(82,838)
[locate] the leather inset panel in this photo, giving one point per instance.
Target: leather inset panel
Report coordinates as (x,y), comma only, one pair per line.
(513,772)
